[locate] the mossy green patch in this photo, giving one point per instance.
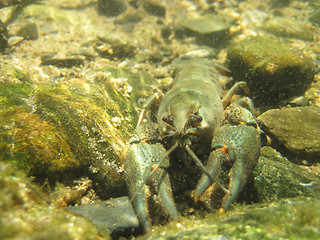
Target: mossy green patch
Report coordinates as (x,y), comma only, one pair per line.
(28,140)
(26,212)
(273,69)
(277,178)
(288,219)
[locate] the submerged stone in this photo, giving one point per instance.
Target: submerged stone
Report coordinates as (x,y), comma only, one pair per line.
(63,131)
(274,71)
(112,8)
(296,218)
(4,34)
(113,48)
(114,215)
(29,31)
(63,62)
(27,213)
(154,8)
(212,30)
(289,28)
(295,129)
(275,178)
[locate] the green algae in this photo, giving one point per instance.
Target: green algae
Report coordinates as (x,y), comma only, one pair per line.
(288,219)
(70,129)
(27,140)
(273,69)
(26,212)
(277,178)
(289,28)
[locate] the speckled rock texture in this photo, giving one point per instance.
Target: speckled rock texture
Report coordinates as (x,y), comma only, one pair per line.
(274,71)
(275,178)
(297,130)
(3,36)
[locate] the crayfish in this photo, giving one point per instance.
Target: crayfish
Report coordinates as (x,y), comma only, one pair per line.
(191,122)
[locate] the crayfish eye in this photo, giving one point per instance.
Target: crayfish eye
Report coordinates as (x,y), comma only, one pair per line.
(165,119)
(199,119)
(168,119)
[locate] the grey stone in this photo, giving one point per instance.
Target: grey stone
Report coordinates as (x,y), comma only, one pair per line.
(115,214)
(275,178)
(211,30)
(295,129)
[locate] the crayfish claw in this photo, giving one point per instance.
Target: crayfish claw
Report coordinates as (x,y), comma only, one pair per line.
(146,176)
(243,142)
(140,202)
(213,167)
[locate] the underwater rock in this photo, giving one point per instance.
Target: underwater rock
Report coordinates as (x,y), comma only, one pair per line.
(279,4)
(116,215)
(7,3)
(154,8)
(211,30)
(4,34)
(114,48)
(29,141)
(26,212)
(295,129)
(289,28)
(63,131)
(29,31)
(275,178)
(314,17)
(63,62)
(112,8)
(274,70)
(296,218)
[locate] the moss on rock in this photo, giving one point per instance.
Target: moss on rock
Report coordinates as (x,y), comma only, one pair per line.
(274,70)
(27,213)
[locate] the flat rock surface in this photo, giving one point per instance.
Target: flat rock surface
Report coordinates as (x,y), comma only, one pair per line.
(297,129)
(115,214)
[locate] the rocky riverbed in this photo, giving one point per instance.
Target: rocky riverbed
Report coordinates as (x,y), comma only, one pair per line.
(74,76)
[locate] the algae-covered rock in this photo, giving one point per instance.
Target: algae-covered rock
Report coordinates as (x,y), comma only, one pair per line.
(289,28)
(114,48)
(296,218)
(26,139)
(111,8)
(211,30)
(63,62)
(3,36)
(65,130)
(314,17)
(26,213)
(295,129)
(273,70)
(275,178)
(154,8)
(29,31)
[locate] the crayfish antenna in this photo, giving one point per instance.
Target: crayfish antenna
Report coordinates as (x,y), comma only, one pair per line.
(203,169)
